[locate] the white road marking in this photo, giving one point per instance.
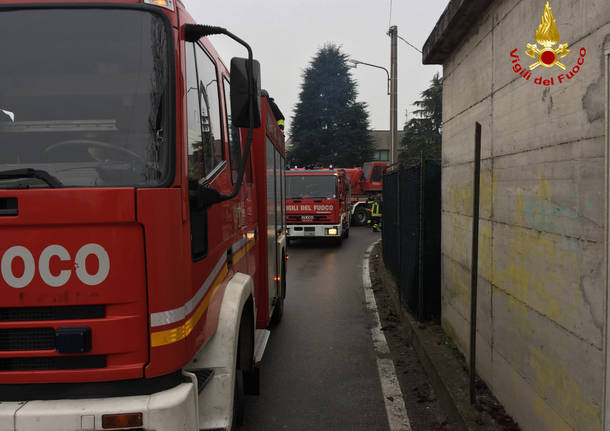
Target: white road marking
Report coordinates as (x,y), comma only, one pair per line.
(392,395)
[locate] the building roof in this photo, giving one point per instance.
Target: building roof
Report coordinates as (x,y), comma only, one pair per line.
(455,22)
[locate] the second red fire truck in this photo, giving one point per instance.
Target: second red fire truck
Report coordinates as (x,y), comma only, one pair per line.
(317,204)
(142,227)
(365,181)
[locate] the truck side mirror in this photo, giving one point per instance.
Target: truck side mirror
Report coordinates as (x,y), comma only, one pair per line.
(240,100)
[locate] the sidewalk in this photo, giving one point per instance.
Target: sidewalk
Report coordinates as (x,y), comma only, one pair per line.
(444,364)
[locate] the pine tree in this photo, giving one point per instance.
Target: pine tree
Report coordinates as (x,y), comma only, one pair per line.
(329,126)
(423,133)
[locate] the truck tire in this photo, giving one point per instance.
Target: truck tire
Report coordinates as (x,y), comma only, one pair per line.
(360,216)
(244,365)
(239,400)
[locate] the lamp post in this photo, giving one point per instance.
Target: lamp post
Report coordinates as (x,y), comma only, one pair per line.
(393,33)
(354,64)
(392,85)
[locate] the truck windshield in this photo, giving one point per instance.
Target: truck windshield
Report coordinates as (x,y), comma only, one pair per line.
(84,97)
(311,186)
(366,171)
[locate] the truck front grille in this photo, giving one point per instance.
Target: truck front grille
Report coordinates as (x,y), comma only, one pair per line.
(52,363)
(35,314)
(27,339)
(308,218)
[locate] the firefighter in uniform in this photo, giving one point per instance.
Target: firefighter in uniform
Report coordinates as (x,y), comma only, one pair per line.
(375,218)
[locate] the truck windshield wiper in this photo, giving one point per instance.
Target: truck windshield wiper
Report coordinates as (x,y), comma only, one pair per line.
(31,173)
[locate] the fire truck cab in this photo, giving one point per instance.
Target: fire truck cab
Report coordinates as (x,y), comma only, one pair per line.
(318,204)
(143,250)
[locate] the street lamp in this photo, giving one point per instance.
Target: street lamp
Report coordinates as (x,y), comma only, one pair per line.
(393,33)
(392,85)
(354,64)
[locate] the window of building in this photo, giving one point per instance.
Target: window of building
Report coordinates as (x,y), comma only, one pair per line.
(381,155)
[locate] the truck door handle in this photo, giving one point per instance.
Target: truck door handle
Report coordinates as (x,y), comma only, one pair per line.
(8,207)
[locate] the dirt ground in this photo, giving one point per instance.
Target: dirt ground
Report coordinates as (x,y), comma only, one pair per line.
(425,410)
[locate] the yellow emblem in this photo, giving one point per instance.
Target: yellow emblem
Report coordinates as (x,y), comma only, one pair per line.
(547,35)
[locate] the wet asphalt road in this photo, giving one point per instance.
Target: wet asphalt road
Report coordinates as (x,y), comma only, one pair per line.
(319,370)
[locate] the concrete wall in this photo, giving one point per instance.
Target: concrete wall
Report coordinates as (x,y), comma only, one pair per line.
(383,140)
(541,281)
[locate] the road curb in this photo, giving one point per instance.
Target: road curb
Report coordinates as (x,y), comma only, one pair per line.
(398,418)
(419,343)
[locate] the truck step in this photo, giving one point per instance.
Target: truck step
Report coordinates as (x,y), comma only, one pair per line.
(261,337)
(204,376)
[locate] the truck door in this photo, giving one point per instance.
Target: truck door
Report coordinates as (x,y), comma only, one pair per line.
(272,222)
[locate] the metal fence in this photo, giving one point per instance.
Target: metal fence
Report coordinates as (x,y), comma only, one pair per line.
(412,236)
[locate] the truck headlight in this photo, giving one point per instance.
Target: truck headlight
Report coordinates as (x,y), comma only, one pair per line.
(332,231)
(167,4)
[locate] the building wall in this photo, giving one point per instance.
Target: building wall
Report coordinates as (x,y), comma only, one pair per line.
(541,296)
(382,140)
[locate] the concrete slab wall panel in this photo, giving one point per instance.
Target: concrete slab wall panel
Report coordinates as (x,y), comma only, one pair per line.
(542,216)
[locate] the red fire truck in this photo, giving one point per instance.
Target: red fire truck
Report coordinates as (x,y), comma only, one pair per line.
(318,204)
(365,181)
(142,248)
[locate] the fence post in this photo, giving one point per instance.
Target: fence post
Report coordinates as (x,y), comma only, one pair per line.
(420,287)
(399,230)
(475,260)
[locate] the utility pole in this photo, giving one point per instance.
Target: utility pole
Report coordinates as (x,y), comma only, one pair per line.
(393,33)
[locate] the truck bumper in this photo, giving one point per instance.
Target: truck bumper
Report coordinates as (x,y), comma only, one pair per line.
(174,409)
(314,230)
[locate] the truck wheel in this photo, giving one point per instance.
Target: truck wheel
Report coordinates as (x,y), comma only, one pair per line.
(239,400)
(360,216)
(346,234)
(244,364)
(278,312)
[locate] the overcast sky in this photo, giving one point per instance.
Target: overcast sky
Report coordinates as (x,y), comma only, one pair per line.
(285,35)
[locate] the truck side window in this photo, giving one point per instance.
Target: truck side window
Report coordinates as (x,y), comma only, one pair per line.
(377,174)
(198,152)
(193,119)
(234,142)
(208,89)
